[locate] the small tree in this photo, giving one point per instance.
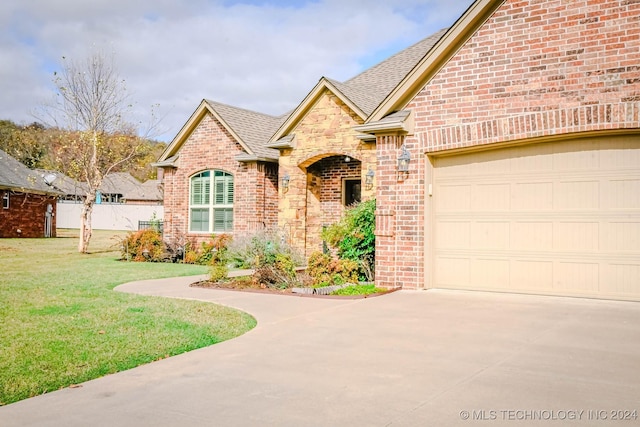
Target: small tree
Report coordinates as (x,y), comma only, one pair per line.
(91,106)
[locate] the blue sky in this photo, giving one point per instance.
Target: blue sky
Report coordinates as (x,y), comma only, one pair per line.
(263,55)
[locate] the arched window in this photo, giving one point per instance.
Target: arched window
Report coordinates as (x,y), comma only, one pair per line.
(211,202)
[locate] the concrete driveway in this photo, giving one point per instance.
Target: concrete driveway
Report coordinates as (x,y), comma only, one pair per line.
(434,358)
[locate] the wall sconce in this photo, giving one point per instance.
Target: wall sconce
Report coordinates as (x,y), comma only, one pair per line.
(368,180)
(403,160)
(285,182)
(347,159)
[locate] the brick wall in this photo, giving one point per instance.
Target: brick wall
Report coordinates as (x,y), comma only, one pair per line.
(210,146)
(322,138)
(26,213)
(326,184)
(535,68)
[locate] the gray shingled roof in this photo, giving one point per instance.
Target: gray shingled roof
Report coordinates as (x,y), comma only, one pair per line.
(369,88)
(150,190)
(119,183)
(15,175)
(65,184)
(253,128)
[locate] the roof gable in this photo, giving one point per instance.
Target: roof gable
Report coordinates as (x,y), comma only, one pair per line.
(364,92)
(249,128)
(440,52)
(303,108)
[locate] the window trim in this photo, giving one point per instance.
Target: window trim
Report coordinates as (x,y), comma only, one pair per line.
(6,200)
(211,201)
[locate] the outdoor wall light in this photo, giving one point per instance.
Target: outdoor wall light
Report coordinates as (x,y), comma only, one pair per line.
(285,182)
(347,159)
(368,180)
(403,160)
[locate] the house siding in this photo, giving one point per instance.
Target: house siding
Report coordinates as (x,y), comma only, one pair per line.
(534,69)
(26,215)
(211,146)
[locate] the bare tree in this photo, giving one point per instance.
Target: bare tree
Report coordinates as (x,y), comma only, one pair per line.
(92,104)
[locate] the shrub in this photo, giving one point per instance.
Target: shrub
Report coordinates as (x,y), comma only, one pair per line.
(143,245)
(218,272)
(354,237)
(273,260)
(261,248)
(326,270)
(211,252)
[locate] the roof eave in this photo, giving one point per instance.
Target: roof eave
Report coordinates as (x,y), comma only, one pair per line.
(284,142)
(246,158)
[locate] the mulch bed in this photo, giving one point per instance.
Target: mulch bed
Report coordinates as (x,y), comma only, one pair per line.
(244,284)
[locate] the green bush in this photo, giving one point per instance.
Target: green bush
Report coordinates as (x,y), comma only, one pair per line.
(143,245)
(218,272)
(354,237)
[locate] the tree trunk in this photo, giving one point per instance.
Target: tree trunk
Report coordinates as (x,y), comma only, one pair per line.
(85,225)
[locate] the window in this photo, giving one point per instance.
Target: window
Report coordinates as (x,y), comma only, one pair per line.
(5,201)
(211,202)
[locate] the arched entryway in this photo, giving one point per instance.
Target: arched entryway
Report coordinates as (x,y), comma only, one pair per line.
(333,182)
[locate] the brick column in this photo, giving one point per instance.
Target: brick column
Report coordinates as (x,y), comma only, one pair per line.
(400,257)
(386,191)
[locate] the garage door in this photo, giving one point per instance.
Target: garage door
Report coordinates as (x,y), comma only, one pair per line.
(557,218)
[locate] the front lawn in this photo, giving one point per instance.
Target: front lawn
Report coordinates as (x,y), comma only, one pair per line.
(63,324)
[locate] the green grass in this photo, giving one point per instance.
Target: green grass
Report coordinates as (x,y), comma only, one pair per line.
(363,289)
(62,323)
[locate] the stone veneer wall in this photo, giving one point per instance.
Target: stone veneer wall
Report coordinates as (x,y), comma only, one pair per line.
(210,146)
(535,68)
(325,131)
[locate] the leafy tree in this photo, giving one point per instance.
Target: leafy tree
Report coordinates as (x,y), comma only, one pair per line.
(27,144)
(90,110)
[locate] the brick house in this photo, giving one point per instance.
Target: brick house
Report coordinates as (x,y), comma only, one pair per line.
(28,203)
(521,123)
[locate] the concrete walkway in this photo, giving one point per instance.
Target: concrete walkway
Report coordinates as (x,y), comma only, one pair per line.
(435,358)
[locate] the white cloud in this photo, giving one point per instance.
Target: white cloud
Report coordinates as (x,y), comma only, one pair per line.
(260,55)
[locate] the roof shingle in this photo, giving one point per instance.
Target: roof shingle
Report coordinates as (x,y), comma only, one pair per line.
(15,175)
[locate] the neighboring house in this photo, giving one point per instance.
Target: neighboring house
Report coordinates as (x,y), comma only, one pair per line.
(28,203)
(149,192)
(521,127)
(124,201)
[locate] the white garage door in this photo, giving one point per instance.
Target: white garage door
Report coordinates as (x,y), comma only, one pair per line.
(557,218)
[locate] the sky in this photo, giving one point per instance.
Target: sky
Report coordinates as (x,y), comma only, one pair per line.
(262,55)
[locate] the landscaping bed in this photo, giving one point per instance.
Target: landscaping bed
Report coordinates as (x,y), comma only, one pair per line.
(247,284)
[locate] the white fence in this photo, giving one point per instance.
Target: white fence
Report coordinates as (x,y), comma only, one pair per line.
(108,216)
